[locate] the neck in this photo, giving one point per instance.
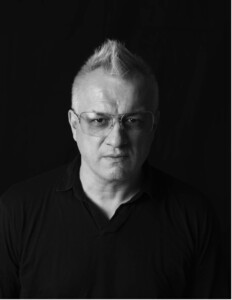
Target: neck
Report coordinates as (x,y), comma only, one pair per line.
(108,195)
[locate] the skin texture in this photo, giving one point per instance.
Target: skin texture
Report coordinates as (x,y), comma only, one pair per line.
(116,159)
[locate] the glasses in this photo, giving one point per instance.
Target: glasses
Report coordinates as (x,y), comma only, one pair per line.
(100,124)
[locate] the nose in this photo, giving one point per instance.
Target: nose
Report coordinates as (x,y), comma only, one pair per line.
(117,137)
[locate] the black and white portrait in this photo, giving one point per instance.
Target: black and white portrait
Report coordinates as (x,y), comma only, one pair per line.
(115,149)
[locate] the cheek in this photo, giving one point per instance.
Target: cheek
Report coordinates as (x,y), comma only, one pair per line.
(88,146)
(142,145)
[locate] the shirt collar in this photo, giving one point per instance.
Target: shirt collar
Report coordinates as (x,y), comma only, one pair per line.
(150,184)
(70,174)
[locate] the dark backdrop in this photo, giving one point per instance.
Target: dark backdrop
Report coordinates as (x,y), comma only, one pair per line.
(187,42)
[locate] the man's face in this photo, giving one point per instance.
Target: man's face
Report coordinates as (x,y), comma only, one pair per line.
(119,155)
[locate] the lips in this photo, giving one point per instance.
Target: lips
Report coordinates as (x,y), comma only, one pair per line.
(118,156)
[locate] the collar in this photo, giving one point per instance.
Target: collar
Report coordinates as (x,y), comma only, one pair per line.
(70,174)
(150,180)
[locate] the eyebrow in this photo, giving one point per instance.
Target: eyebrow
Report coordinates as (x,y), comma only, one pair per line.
(100,112)
(109,114)
(140,110)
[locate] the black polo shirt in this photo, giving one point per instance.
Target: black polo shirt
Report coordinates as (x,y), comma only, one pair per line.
(55,243)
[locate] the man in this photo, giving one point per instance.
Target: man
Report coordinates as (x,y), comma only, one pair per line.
(108,225)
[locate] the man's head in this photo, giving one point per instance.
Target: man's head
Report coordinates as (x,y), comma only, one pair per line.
(114,82)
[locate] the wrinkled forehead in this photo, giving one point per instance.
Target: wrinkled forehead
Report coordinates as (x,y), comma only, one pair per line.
(99,90)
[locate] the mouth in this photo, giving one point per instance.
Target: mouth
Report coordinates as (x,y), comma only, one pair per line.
(116,157)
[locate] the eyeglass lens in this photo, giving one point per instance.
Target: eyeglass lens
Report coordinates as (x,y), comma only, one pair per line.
(99,124)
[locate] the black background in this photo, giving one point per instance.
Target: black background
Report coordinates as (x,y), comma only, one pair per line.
(43,44)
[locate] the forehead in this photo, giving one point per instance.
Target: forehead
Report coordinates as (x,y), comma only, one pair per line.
(100,91)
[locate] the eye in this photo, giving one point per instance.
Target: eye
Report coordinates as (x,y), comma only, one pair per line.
(133,120)
(99,122)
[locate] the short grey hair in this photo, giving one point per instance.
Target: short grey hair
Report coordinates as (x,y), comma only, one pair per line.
(114,58)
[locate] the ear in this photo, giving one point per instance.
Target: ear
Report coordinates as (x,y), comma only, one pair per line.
(73,123)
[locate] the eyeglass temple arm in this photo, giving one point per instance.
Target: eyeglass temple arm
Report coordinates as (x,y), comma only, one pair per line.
(78,116)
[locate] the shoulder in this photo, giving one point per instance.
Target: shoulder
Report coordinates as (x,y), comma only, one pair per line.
(33,189)
(185,210)
(179,197)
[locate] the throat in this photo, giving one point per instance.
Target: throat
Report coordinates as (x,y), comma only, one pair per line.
(108,207)
(108,211)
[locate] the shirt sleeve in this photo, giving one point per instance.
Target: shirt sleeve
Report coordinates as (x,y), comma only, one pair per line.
(9,253)
(207,279)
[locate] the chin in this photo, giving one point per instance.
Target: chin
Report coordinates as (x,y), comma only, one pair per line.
(118,175)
